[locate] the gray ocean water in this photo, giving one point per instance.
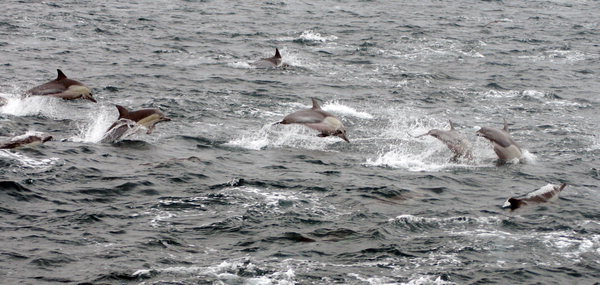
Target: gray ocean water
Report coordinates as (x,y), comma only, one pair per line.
(221,196)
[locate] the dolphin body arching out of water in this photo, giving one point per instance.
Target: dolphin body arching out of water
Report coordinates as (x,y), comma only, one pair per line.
(547,193)
(63,87)
(26,140)
(129,120)
(317,119)
(504,146)
(454,141)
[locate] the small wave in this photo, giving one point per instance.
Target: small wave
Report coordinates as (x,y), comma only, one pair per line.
(235,271)
(434,222)
(310,36)
(240,65)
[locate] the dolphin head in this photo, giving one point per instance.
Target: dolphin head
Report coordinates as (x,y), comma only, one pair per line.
(46,138)
(513,203)
(342,134)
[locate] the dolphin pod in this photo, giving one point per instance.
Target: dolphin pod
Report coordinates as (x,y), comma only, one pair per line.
(26,140)
(317,119)
(504,146)
(547,193)
(454,141)
(63,87)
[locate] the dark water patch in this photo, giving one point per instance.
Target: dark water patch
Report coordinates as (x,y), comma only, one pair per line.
(55,259)
(19,192)
(54,279)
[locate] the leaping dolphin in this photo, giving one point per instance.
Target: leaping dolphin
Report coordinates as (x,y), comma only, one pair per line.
(454,141)
(547,193)
(63,87)
(316,118)
(271,62)
(504,146)
(129,119)
(26,140)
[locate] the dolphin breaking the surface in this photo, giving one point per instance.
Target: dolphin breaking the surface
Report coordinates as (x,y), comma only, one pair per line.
(454,141)
(316,118)
(547,193)
(270,62)
(128,122)
(504,146)
(26,140)
(63,87)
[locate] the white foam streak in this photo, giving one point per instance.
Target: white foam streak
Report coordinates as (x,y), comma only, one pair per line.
(343,110)
(29,162)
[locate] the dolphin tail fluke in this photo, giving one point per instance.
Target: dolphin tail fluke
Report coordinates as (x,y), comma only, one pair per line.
(61,75)
(277,54)
(562,186)
(315,104)
(122,111)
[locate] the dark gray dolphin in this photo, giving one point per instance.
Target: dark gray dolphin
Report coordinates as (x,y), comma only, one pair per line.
(547,193)
(316,118)
(271,62)
(63,87)
(3,101)
(26,140)
(454,141)
(504,146)
(129,119)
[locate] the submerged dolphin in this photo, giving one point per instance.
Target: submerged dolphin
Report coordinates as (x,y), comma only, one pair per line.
(63,87)
(504,146)
(26,140)
(129,120)
(316,118)
(271,62)
(454,141)
(3,101)
(547,193)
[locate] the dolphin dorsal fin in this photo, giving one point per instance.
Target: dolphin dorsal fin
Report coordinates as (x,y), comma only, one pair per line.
(505,125)
(315,105)
(277,54)
(122,111)
(61,75)
(451,125)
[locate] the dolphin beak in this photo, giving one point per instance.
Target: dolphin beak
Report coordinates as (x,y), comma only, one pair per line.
(89,97)
(506,204)
(343,136)
(47,139)
(166,119)
(425,134)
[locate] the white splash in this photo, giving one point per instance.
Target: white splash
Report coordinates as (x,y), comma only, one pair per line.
(98,123)
(340,109)
(310,35)
(28,162)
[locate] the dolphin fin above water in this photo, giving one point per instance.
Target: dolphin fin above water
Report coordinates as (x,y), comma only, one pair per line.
(504,146)
(270,62)
(317,119)
(127,120)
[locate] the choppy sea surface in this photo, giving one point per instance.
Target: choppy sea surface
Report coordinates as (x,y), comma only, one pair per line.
(220,195)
